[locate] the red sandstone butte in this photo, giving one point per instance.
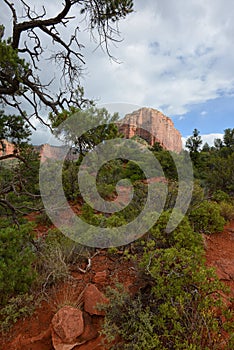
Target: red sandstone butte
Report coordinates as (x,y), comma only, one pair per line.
(152,126)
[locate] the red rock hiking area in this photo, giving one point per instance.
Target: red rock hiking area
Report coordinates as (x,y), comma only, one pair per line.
(36,332)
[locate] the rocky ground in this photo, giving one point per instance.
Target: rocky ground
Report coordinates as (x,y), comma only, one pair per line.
(47,326)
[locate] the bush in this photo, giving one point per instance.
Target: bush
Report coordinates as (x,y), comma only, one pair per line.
(181,237)
(127,318)
(16,308)
(106,191)
(179,296)
(220,196)
(16,259)
(207,218)
(227,210)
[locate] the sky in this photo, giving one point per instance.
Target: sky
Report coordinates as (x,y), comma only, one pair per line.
(176,56)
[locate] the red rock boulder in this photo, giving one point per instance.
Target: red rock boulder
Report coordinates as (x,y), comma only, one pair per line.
(92,298)
(67,325)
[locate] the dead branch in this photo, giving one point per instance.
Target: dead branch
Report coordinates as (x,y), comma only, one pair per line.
(21,81)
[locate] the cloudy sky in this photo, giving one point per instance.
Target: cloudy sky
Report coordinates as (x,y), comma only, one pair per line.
(177,56)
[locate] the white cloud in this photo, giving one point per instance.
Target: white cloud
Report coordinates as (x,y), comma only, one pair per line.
(209,138)
(175,54)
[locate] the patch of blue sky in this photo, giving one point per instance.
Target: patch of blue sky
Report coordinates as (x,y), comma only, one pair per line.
(213,116)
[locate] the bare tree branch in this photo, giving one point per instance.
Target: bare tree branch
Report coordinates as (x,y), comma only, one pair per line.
(21,81)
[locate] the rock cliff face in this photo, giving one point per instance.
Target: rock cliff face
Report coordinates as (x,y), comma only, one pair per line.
(152,126)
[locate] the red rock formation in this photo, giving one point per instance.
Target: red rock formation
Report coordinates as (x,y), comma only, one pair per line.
(152,126)
(47,151)
(9,148)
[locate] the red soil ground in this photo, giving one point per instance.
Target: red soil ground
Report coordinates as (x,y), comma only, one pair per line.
(33,333)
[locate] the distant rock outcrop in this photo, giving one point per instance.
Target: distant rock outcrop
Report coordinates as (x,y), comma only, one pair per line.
(7,149)
(152,126)
(47,151)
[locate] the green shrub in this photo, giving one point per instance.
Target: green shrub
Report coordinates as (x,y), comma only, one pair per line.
(180,297)
(178,306)
(17,307)
(207,218)
(16,259)
(106,190)
(220,196)
(127,318)
(182,236)
(227,210)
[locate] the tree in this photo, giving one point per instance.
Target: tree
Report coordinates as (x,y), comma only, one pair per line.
(218,143)
(21,55)
(23,84)
(229,137)
(193,144)
(206,147)
(67,131)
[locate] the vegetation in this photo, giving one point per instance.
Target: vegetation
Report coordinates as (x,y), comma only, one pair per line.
(177,298)
(16,258)
(179,294)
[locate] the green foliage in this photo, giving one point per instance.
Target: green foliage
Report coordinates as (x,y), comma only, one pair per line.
(12,67)
(228,138)
(100,124)
(16,259)
(17,308)
(180,296)
(70,183)
(167,163)
(107,10)
(220,196)
(198,195)
(213,166)
(157,147)
(193,144)
(106,191)
(128,318)
(207,218)
(227,210)
(182,237)
(14,129)
(133,172)
(19,184)
(220,173)
(43,219)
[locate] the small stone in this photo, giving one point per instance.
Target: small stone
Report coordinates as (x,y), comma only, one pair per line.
(100,277)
